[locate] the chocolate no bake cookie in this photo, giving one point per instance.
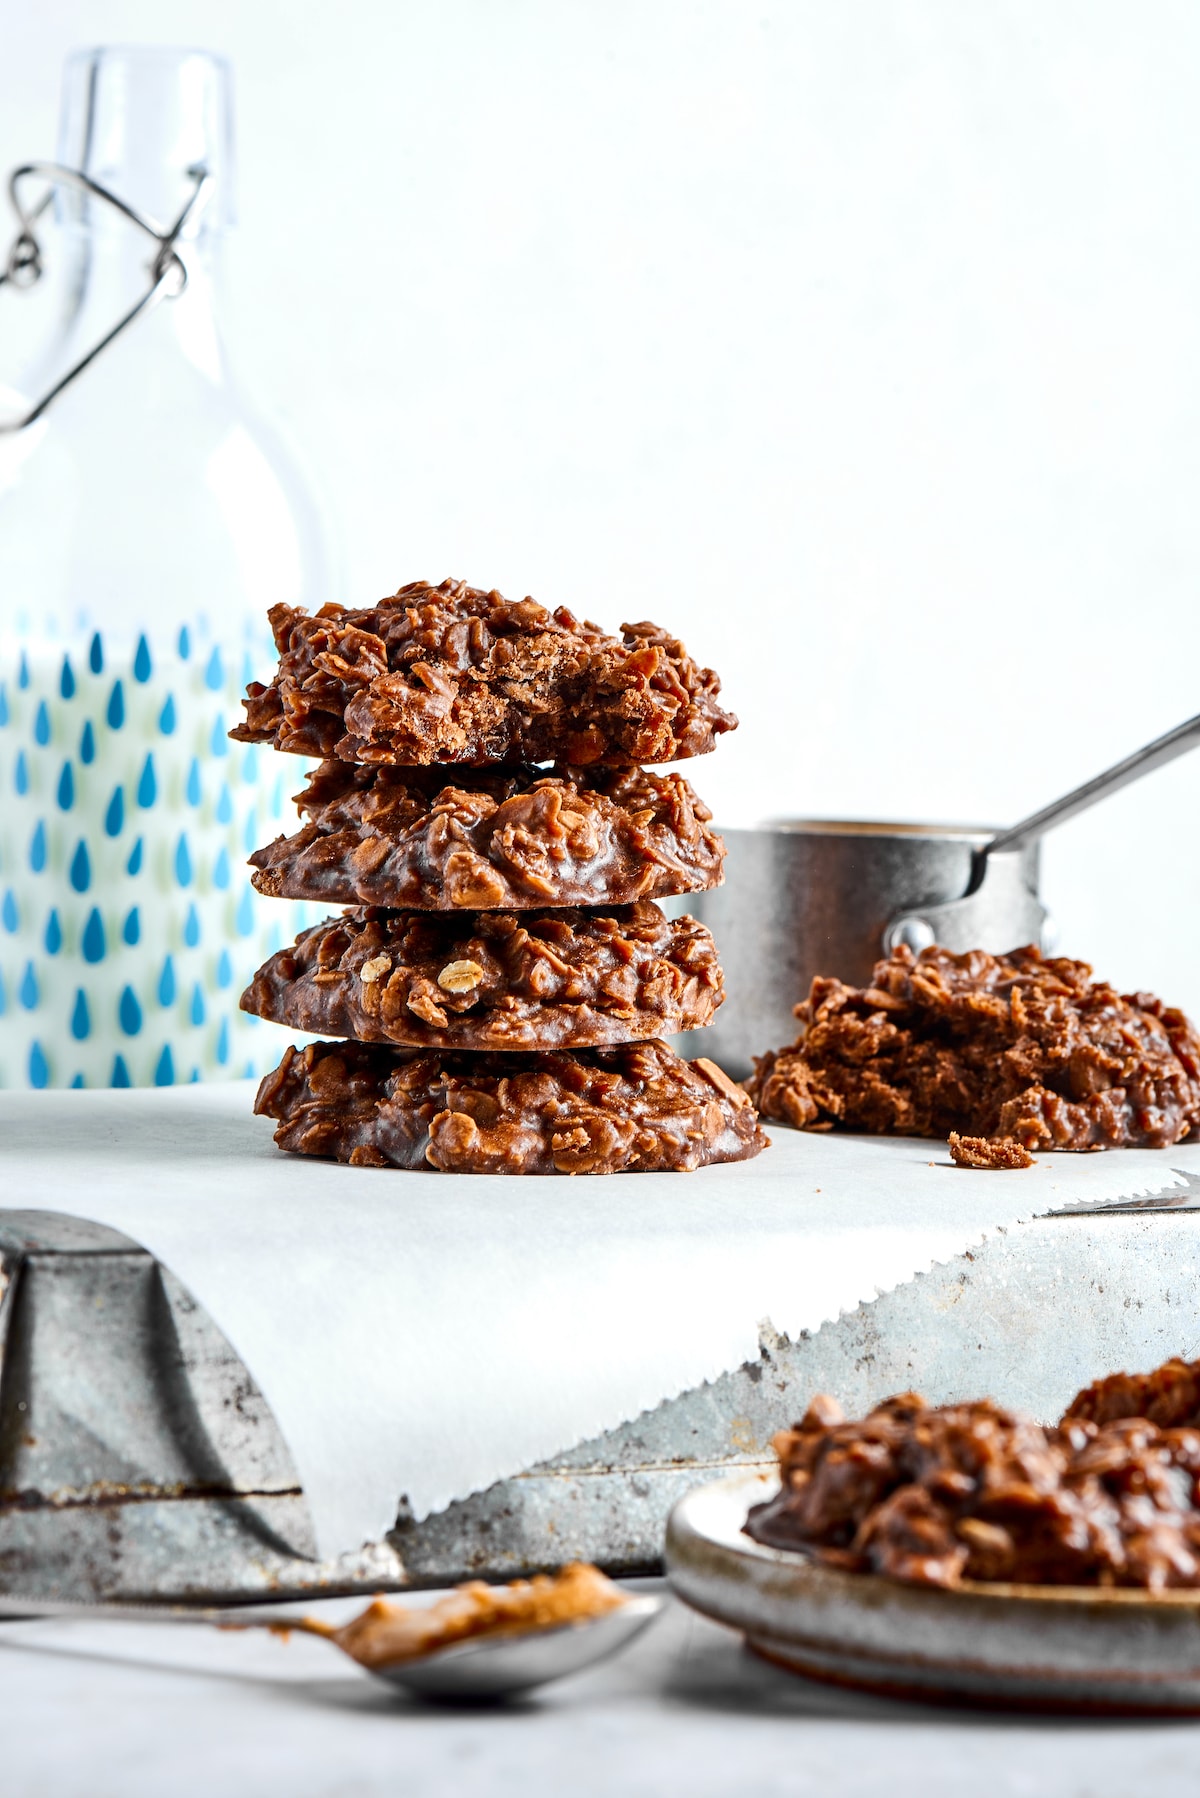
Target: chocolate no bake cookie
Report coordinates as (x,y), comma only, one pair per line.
(492,839)
(634,1109)
(975,1492)
(1002,1046)
(1169,1397)
(504,976)
(453,674)
(494,980)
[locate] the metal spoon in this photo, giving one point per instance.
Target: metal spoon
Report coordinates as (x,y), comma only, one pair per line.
(965,923)
(497,1666)
(485,1666)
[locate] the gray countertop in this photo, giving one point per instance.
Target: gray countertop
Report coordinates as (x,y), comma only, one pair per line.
(115,1710)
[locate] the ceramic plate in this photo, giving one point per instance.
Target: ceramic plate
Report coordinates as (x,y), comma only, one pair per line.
(1069,1648)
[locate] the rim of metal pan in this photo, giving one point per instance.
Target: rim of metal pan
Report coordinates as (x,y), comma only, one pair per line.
(861,827)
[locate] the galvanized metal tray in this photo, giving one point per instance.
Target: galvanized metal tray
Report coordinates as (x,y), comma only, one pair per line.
(139,1461)
(1064,1648)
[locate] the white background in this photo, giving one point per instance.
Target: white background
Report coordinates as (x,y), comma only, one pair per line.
(855,341)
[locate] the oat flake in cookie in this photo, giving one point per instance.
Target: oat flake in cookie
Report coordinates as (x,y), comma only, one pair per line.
(454,674)
(492,839)
(494,980)
(634,1109)
(1000,1046)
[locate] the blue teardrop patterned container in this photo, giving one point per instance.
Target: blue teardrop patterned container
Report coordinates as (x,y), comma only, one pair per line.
(149,519)
(128,925)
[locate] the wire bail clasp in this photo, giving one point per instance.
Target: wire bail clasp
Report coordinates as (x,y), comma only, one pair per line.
(23,267)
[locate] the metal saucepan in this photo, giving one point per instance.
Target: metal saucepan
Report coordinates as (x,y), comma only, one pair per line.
(805,897)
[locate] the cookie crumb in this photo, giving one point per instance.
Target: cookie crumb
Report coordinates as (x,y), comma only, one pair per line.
(980,1151)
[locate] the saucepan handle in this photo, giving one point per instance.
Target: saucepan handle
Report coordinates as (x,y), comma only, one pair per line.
(995,911)
(1142,761)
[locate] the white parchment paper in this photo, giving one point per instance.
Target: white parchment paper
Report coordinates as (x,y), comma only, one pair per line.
(422,1334)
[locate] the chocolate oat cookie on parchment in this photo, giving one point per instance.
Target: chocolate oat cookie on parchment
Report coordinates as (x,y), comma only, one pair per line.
(1016,1048)
(503,991)
(638,1108)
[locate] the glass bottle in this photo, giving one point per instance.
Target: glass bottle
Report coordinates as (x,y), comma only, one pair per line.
(147,521)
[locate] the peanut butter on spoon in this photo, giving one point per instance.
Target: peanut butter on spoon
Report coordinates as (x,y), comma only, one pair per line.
(387,1634)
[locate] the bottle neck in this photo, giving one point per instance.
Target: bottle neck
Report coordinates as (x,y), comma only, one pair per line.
(140,120)
(108,265)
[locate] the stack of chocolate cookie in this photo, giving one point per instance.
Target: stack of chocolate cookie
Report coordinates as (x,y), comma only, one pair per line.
(503,979)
